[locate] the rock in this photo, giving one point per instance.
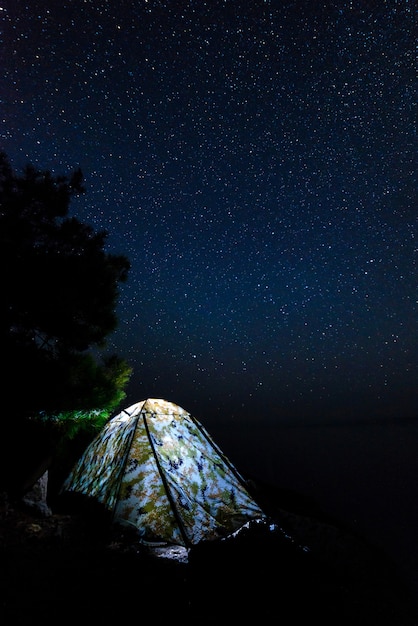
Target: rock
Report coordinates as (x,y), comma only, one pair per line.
(36,498)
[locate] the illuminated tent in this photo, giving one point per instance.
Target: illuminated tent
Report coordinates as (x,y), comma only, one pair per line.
(155,467)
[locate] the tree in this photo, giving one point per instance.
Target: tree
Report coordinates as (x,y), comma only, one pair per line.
(59,295)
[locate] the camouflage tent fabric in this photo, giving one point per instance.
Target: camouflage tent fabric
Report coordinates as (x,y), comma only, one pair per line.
(157,468)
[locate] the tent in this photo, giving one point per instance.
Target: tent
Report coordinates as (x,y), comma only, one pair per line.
(156,468)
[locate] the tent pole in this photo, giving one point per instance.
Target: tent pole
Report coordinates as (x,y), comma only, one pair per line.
(125,460)
(179,521)
(224,458)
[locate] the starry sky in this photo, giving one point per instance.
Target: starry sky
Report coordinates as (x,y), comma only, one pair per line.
(256,163)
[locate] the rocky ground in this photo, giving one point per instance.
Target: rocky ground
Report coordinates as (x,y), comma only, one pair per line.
(68,565)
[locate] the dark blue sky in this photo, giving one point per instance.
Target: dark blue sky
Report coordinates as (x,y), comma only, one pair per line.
(256,162)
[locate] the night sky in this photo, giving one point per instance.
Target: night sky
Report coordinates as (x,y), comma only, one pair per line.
(256,163)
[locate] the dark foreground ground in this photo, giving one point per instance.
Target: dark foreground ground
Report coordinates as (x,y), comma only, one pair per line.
(70,566)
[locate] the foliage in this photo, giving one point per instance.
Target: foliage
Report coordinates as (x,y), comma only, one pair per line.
(77,422)
(59,295)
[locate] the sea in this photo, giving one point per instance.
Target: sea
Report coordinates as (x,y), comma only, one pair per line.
(361,472)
